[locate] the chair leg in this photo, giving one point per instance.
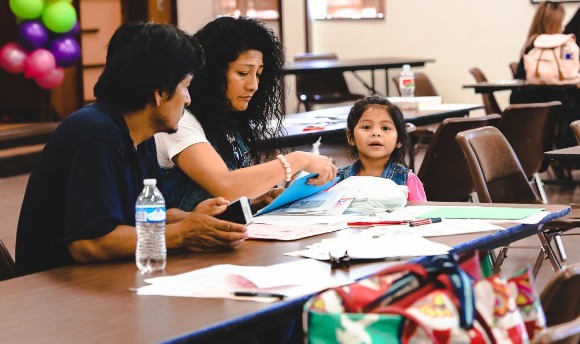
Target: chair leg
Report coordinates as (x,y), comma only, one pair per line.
(473,197)
(549,252)
(497,260)
(538,262)
(560,248)
(540,187)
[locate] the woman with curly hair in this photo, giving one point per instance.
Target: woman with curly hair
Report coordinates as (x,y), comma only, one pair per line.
(236,103)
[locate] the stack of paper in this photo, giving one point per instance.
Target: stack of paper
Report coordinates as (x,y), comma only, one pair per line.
(296,278)
(394,242)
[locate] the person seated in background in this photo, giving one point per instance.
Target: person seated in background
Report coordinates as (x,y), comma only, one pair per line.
(79,204)
(573,26)
(380,141)
(236,104)
(549,19)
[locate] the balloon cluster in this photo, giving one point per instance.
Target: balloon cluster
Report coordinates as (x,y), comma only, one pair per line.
(46,43)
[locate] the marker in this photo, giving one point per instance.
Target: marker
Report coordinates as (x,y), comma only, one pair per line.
(424,221)
(258,294)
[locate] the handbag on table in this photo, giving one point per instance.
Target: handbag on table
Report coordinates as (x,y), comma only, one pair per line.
(436,301)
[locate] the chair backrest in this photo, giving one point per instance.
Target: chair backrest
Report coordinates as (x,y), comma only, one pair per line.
(575,126)
(7,269)
(497,174)
(423,85)
(443,172)
(531,130)
(560,298)
(324,86)
(489,102)
(513,68)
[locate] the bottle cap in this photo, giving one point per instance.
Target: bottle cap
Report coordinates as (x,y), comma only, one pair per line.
(150,181)
(406,67)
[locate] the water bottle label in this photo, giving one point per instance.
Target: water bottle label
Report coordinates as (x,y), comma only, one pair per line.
(149,213)
(407,82)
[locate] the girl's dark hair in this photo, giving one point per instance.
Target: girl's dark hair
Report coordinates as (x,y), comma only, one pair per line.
(223,40)
(144,57)
(400,155)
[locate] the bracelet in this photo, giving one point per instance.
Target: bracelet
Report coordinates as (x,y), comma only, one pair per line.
(286,165)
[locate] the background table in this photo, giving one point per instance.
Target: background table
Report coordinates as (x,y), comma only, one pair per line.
(94,304)
(565,155)
(296,135)
(516,84)
(354,65)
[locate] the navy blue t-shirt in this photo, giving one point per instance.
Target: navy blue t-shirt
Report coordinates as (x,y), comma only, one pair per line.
(84,185)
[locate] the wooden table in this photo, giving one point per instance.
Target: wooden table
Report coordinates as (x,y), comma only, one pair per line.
(300,134)
(354,65)
(516,84)
(94,304)
(565,155)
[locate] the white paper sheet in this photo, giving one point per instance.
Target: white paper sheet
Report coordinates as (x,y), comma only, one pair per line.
(375,243)
(293,279)
(288,232)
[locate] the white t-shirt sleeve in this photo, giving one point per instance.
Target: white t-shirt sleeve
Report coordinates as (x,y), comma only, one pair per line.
(189,132)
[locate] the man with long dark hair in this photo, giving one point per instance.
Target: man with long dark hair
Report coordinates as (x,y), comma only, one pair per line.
(79,204)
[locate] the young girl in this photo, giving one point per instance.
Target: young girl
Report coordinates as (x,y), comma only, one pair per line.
(376,131)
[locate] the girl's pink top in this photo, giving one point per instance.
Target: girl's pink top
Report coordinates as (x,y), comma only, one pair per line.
(416,190)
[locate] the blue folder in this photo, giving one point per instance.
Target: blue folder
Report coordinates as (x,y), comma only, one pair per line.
(297,190)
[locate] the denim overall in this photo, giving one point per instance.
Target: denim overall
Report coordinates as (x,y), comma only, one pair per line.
(186,193)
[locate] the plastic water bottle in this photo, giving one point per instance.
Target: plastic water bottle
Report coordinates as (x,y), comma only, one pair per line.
(407,87)
(150,216)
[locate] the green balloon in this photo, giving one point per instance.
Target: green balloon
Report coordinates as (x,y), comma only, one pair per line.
(59,17)
(27,9)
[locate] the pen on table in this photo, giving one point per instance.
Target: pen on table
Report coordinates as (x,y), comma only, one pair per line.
(258,294)
(424,221)
(377,223)
(412,223)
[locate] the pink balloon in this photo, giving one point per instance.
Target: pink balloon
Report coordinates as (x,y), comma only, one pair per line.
(12,57)
(39,63)
(50,80)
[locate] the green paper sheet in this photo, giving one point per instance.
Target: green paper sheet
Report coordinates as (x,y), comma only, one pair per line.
(484,213)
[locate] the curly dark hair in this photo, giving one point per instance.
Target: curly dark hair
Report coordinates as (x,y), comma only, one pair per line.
(223,41)
(400,154)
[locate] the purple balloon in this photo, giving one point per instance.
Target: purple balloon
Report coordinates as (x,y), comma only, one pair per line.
(66,50)
(74,31)
(32,34)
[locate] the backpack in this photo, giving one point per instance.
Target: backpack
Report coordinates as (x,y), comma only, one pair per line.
(553,60)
